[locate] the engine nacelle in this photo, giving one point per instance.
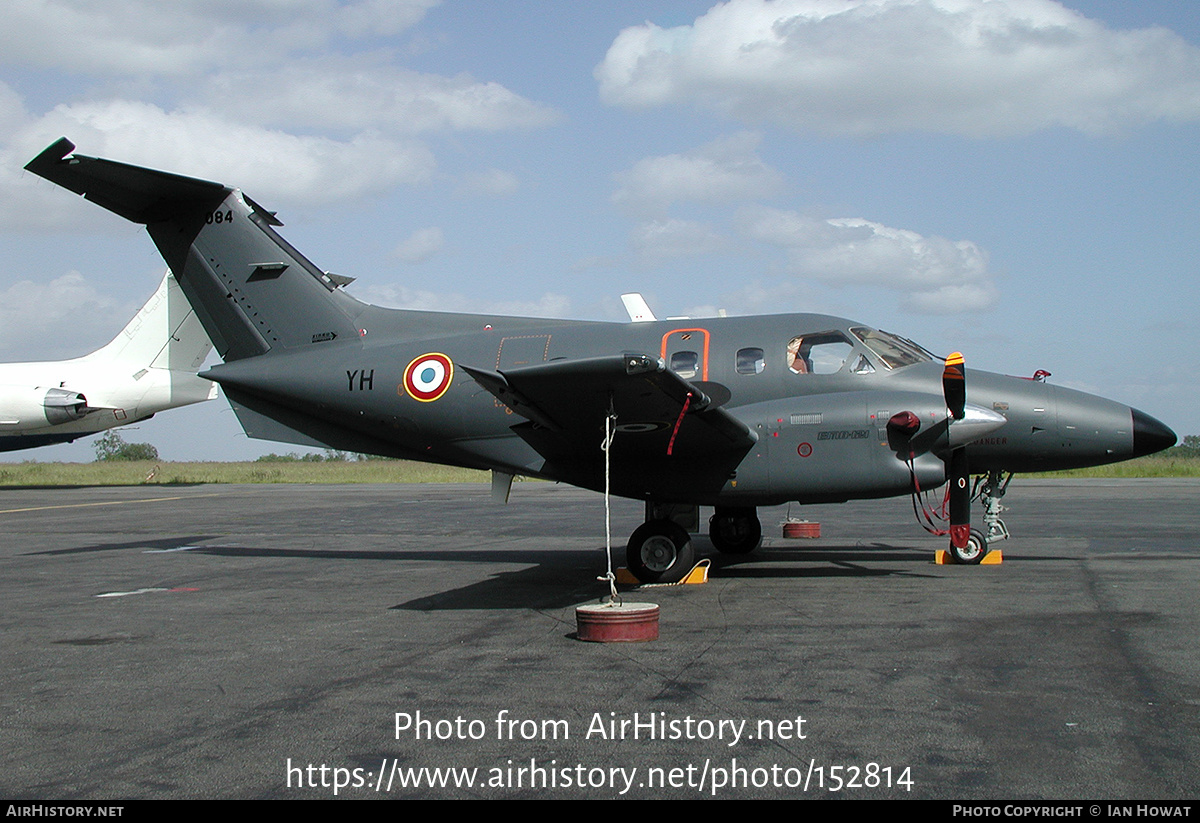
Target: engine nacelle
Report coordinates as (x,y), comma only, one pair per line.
(35,408)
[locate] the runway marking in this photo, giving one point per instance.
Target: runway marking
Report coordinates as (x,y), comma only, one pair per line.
(148,591)
(168,551)
(105,503)
(127,594)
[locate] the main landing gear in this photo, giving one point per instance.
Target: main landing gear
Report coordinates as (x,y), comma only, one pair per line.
(735,530)
(661,549)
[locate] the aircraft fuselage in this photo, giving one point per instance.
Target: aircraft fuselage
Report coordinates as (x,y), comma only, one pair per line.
(820,432)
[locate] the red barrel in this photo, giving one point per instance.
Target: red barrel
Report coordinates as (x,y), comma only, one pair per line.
(617,622)
(801,528)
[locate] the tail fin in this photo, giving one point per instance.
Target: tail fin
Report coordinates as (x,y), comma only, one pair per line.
(164,334)
(252,291)
(159,350)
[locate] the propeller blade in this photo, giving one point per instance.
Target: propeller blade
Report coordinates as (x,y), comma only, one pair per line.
(954,385)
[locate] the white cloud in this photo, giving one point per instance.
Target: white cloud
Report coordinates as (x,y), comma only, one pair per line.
(868,67)
(117,37)
(672,237)
(265,95)
(722,171)
(65,317)
(12,110)
(403,297)
(351,94)
(490,183)
(420,246)
(270,165)
(934,275)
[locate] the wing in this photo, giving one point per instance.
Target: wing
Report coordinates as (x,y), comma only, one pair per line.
(664,423)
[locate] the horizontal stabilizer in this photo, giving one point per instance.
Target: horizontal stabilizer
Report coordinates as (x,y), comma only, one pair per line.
(137,194)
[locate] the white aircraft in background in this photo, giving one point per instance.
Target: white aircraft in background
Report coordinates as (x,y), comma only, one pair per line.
(147,368)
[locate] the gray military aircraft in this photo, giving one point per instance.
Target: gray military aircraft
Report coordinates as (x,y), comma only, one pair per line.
(732,413)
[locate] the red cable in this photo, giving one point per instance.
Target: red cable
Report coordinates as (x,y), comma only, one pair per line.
(686,402)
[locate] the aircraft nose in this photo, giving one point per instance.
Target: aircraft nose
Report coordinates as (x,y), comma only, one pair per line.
(1149,435)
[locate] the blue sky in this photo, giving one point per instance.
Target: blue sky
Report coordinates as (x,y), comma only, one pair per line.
(1016,179)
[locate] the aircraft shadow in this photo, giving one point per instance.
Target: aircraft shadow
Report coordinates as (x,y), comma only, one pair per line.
(156,544)
(553,579)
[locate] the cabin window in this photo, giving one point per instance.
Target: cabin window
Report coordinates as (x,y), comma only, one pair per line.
(685,364)
(821,353)
(750,361)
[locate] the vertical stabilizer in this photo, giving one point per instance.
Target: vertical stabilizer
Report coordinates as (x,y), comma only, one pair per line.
(251,290)
(164,334)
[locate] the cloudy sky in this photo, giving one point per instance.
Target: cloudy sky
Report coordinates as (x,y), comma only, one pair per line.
(1017,179)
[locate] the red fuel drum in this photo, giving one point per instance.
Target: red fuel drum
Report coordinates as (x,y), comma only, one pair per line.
(617,623)
(804,529)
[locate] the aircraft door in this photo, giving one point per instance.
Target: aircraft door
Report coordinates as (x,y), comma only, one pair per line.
(522,350)
(519,351)
(686,353)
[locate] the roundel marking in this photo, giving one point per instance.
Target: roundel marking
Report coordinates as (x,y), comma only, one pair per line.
(804,449)
(427,377)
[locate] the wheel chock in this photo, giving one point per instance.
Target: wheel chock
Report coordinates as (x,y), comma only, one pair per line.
(698,574)
(625,576)
(994,557)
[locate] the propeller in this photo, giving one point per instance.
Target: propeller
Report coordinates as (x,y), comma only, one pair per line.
(964,424)
(954,387)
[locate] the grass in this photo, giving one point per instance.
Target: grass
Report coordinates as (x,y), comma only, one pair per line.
(133,473)
(138,472)
(1155,465)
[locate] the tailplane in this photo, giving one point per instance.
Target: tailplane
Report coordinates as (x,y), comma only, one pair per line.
(251,290)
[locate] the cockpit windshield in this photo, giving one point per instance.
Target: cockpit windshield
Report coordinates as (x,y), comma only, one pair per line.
(895,352)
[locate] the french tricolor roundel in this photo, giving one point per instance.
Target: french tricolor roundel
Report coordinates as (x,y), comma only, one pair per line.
(428,376)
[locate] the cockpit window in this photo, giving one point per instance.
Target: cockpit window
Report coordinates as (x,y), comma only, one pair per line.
(821,353)
(863,366)
(895,352)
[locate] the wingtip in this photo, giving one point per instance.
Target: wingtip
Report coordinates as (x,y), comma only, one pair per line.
(52,154)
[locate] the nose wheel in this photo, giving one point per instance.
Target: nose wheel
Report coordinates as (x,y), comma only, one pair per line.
(973,552)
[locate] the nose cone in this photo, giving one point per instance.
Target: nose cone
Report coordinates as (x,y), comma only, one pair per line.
(1149,435)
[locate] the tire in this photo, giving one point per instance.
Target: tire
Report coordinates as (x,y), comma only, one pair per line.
(660,551)
(973,553)
(735,531)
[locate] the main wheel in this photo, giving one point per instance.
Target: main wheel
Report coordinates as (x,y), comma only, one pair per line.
(735,530)
(974,552)
(660,551)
